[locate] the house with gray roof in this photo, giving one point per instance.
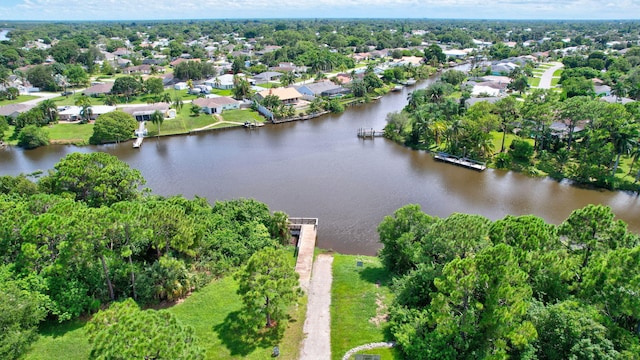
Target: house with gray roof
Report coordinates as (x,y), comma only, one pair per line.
(267,76)
(13,110)
(322,88)
(144,112)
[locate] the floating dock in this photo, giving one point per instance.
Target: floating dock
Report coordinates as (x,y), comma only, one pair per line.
(141,132)
(460,161)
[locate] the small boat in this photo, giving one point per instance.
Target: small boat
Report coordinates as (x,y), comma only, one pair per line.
(411,82)
(397,88)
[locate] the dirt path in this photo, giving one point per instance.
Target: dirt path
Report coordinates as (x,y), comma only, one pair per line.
(317,325)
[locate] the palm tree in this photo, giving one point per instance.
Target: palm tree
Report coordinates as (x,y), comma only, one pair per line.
(111,100)
(287,78)
(49,109)
(85,108)
(508,111)
(165,98)
(157,118)
(177,103)
(623,139)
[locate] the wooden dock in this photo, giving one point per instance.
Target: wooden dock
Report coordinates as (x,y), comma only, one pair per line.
(307,229)
(460,161)
(369,133)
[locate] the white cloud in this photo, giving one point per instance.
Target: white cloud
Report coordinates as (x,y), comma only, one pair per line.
(172,9)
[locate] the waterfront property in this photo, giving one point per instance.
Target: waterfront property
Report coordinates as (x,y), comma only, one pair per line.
(286,95)
(144,112)
(216,105)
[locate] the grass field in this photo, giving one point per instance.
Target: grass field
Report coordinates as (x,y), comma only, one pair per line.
(242,116)
(360,296)
(212,311)
(558,73)
(534,81)
(19,99)
(70,133)
(554,81)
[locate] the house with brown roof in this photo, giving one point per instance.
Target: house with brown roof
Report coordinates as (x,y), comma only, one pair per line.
(179,60)
(286,95)
(216,105)
(98,89)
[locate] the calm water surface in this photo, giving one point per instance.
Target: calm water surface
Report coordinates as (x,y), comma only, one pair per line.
(319,168)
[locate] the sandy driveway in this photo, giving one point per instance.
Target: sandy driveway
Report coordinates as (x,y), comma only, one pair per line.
(317,325)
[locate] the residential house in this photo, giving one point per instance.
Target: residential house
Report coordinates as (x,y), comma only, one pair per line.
(13,110)
(602,90)
(216,105)
(286,95)
(142,69)
(615,99)
(122,52)
(179,60)
(474,100)
(224,82)
(144,112)
(319,89)
(266,77)
(98,89)
(72,113)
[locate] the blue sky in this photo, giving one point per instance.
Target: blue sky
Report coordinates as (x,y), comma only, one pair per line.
(216,9)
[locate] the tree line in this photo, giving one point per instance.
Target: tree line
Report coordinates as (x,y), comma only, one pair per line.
(589,141)
(87,234)
(467,287)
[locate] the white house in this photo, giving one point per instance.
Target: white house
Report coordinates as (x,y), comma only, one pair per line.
(224,82)
(216,105)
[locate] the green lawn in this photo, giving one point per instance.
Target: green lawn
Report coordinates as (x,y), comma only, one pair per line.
(70,133)
(558,72)
(358,303)
(60,341)
(497,140)
(534,81)
(554,81)
(242,116)
(141,99)
(212,311)
(19,99)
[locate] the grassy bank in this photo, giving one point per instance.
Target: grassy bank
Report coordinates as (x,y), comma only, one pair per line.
(359,300)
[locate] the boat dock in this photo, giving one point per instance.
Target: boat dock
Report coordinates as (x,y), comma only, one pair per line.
(140,133)
(460,161)
(369,133)
(306,229)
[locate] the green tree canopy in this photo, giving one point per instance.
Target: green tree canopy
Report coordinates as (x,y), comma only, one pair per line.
(125,332)
(268,284)
(32,136)
(95,178)
(114,126)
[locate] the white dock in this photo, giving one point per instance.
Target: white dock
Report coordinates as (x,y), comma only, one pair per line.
(460,161)
(141,132)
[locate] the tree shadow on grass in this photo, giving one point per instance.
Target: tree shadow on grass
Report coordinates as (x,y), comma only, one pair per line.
(242,336)
(55,329)
(376,275)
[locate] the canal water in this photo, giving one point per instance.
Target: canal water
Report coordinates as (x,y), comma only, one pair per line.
(319,168)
